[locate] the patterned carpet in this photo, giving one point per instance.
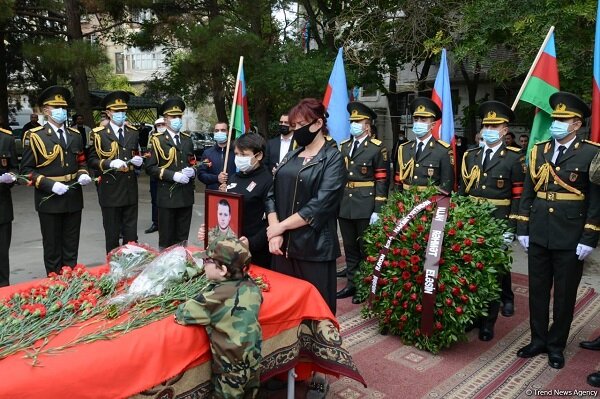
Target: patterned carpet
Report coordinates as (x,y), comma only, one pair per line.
(473,369)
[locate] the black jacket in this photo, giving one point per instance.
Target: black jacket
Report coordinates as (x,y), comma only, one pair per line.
(8,163)
(316,195)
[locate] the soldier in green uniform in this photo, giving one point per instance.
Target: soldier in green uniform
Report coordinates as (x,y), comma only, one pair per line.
(171,161)
(229,309)
(558,225)
(366,189)
(54,156)
(222,229)
(8,169)
(113,154)
(495,173)
(426,158)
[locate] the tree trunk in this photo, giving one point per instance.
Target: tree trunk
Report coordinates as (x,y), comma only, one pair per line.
(422,77)
(79,79)
(3,83)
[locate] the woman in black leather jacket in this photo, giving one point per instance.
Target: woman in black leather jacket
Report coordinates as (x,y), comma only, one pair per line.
(302,205)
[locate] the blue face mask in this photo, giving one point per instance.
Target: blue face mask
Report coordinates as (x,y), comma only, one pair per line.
(420,129)
(176,124)
(490,136)
(481,143)
(59,115)
(220,137)
(118,118)
(559,130)
(356,129)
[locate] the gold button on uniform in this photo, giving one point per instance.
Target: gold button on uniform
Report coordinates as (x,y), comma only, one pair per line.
(551,210)
(558,168)
(483,187)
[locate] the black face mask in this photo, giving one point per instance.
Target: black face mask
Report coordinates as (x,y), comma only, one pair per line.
(283,129)
(304,136)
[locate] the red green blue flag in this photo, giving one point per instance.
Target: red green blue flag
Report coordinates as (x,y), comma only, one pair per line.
(241,117)
(595,132)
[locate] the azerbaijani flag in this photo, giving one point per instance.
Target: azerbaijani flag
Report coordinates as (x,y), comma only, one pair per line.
(595,133)
(336,101)
(443,128)
(542,84)
(241,117)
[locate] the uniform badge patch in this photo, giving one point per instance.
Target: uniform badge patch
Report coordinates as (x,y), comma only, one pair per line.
(363,170)
(500,183)
(430,172)
(4,162)
(573,177)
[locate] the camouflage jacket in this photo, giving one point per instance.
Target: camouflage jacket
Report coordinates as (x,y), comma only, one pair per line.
(229,310)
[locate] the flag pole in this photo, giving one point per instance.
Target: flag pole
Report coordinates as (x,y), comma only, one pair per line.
(537,58)
(232,115)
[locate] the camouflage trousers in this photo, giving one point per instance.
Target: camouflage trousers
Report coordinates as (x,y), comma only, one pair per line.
(238,384)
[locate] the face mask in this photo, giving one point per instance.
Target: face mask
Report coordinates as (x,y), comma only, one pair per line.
(59,115)
(220,137)
(420,129)
(304,136)
(481,143)
(283,129)
(161,129)
(119,118)
(490,136)
(559,130)
(244,163)
(176,124)
(356,129)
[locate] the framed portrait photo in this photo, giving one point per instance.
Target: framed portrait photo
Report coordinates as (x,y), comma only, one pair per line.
(222,215)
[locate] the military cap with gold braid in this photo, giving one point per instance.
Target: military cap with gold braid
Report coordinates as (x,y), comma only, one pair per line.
(55,96)
(359,111)
(423,106)
(495,113)
(172,107)
(116,101)
(567,105)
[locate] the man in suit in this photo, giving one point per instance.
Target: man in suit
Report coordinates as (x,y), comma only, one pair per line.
(114,154)
(424,159)
(495,173)
(171,162)
(54,156)
(278,146)
(8,169)
(558,225)
(211,171)
(366,189)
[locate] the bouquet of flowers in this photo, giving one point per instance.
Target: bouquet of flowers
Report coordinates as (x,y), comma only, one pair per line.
(471,258)
(128,261)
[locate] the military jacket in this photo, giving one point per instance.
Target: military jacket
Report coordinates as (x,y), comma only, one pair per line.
(166,159)
(116,188)
(501,182)
(366,189)
(216,234)
(435,163)
(48,161)
(560,207)
(8,163)
(229,310)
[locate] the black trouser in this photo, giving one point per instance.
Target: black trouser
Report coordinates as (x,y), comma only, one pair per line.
(60,237)
(153,190)
(119,220)
(5,236)
(173,225)
(493,308)
(507,294)
(352,231)
(562,269)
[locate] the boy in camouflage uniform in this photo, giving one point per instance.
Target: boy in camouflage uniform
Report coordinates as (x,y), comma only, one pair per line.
(229,309)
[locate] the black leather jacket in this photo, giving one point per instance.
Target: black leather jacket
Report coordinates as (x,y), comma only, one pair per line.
(316,197)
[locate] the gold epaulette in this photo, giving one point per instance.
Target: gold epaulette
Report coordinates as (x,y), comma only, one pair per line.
(35,129)
(443,143)
(513,149)
(405,143)
(156,134)
(473,149)
(185,134)
(5,131)
(73,130)
(131,127)
(592,143)
(98,129)
(376,142)
(345,141)
(328,138)
(544,142)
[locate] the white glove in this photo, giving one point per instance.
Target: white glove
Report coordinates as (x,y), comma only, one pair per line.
(117,164)
(583,251)
(508,238)
(189,172)
(137,160)
(524,241)
(181,178)
(84,179)
(7,178)
(374,218)
(59,189)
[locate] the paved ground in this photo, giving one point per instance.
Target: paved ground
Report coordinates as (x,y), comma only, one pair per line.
(26,249)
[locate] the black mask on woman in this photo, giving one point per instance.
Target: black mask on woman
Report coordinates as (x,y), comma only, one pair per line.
(283,129)
(304,136)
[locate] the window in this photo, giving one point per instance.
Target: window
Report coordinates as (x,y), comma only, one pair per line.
(119,63)
(136,60)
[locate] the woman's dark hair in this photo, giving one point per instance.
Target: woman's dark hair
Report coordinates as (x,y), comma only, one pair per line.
(309,109)
(251,141)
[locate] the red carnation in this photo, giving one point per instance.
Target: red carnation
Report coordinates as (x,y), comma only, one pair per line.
(442,287)
(413,296)
(455,291)
(371,259)
(426,237)
(464,298)
(472,288)
(385,294)
(407,286)
(395,302)
(416,246)
(386,263)
(456,247)
(429,208)
(420,279)
(396,251)
(467,258)
(480,240)
(413,236)
(452,205)
(420,228)
(405,305)
(459,310)
(368,279)
(382,281)
(418,332)
(438,326)
(404,252)
(468,242)
(423,218)
(462,281)
(479,265)
(454,269)
(378,244)
(440,312)
(405,275)
(401,207)
(394,279)
(451,232)
(402,264)
(460,224)
(388,312)
(415,259)
(403,237)
(403,317)
(441,261)
(471,221)
(415,268)
(419,308)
